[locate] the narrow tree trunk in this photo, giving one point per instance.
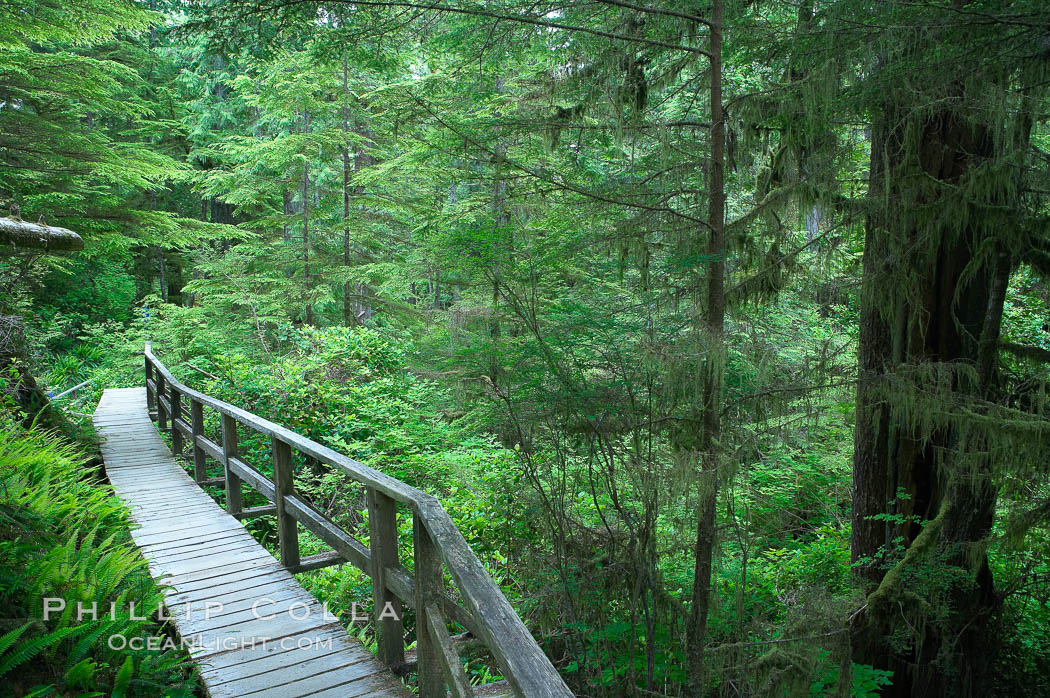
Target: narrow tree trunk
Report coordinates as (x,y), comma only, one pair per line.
(306,229)
(288,208)
(713,370)
(362,159)
(163,280)
(355,306)
(502,220)
(191,299)
(349,318)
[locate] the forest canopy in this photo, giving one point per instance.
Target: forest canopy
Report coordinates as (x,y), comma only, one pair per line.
(720,329)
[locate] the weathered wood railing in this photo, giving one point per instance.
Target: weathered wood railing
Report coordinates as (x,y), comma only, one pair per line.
(72,391)
(437,545)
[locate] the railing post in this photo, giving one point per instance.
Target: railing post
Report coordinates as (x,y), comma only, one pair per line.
(234,496)
(382,537)
(162,414)
(176,414)
(151,398)
(429,582)
(284,485)
(200,472)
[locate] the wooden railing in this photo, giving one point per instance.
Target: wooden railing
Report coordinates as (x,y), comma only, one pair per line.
(437,545)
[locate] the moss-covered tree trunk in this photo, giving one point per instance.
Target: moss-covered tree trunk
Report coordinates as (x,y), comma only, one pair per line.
(711,448)
(931,301)
(18,383)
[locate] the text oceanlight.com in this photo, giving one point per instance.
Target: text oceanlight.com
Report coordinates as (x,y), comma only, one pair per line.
(197,643)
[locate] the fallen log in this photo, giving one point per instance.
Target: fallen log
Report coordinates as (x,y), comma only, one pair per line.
(20,233)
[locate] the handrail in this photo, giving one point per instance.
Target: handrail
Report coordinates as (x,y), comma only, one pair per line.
(73,390)
(436,541)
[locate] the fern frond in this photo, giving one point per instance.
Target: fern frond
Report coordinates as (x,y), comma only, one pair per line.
(24,652)
(10,638)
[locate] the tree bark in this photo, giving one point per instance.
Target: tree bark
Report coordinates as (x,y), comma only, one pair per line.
(349,318)
(39,236)
(356,309)
(501,219)
(362,159)
(20,384)
(163,280)
(922,305)
(710,446)
(191,299)
(309,316)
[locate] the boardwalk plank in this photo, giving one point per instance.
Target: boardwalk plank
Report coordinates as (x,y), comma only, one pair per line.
(258,632)
(325,669)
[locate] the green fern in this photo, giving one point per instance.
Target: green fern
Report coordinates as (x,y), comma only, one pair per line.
(86,643)
(23,652)
(81,674)
(10,638)
(123,680)
(67,536)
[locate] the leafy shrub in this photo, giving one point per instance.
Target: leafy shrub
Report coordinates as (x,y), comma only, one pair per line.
(867,682)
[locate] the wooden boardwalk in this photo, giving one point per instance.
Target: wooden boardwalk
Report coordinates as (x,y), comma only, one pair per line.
(283,647)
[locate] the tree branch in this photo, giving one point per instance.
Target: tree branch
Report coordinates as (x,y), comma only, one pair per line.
(479,12)
(1026,351)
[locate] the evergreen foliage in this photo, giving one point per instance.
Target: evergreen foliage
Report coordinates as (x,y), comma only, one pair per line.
(720,329)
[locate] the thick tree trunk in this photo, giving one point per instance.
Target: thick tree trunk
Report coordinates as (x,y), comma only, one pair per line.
(922,307)
(221,212)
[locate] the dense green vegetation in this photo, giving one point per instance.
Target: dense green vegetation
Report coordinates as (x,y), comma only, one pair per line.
(720,329)
(64,536)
